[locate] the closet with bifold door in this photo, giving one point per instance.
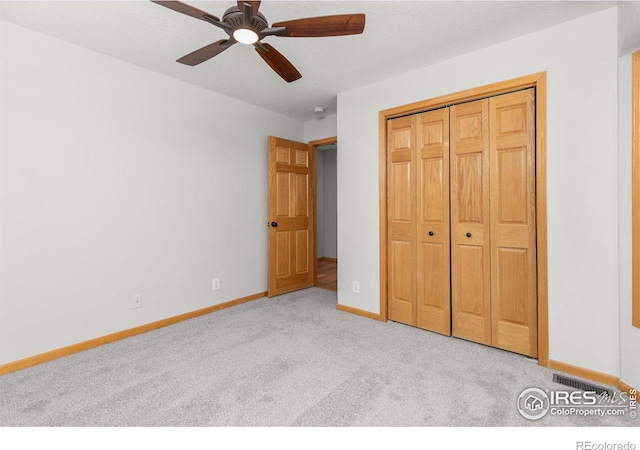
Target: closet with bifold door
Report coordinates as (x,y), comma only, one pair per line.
(461,237)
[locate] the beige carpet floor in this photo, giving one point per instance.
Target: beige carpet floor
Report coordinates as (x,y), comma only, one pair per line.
(292,360)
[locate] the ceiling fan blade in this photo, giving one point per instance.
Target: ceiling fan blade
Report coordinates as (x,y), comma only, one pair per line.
(206,52)
(278,63)
(340,25)
(186,9)
(255,5)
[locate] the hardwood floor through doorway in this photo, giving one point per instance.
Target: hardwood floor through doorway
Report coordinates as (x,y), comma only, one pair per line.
(327,274)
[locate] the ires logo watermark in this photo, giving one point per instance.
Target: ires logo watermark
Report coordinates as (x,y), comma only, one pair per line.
(534,403)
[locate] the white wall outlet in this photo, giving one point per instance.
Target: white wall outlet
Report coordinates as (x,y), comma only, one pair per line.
(137,301)
(216,284)
(356,287)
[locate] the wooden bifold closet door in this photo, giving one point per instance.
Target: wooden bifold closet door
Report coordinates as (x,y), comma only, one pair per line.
(461,221)
(418,207)
(514,306)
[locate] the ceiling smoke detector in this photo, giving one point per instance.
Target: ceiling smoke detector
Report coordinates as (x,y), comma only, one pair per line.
(318,110)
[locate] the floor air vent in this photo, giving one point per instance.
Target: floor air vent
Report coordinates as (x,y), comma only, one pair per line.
(587,387)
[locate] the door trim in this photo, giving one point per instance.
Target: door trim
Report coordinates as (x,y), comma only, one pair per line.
(635,187)
(537,81)
(314,148)
(326,141)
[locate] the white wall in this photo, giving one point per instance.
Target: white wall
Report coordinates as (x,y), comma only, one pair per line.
(117,181)
(628,26)
(580,58)
(629,335)
(321,127)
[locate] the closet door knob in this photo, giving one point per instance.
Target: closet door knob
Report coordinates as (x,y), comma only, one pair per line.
(468,234)
(274,224)
(430,233)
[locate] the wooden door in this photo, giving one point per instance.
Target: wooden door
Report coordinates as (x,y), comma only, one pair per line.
(461,221)
(418,222)
(433,297)
(513,230)
(401,208)
(291,240)
(470,234)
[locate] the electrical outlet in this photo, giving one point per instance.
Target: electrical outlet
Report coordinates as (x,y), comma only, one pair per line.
(356,287)
(216,284)
(137,301)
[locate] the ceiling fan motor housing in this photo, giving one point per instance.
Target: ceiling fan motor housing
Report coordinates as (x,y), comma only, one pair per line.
(235,19)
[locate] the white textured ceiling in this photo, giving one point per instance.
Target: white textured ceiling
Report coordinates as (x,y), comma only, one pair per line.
(399,36)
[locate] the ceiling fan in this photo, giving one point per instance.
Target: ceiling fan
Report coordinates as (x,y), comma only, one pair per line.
(243,23)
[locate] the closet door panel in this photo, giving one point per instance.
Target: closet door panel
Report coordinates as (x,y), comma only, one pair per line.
(470,287)
(433,307)
(402,288)
(513,232)
(470,215)
(401,245)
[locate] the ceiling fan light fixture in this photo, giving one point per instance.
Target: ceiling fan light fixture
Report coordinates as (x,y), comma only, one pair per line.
(244,23)
(245,36)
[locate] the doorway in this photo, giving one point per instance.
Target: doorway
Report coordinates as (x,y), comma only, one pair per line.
(293,219)
(327,216)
